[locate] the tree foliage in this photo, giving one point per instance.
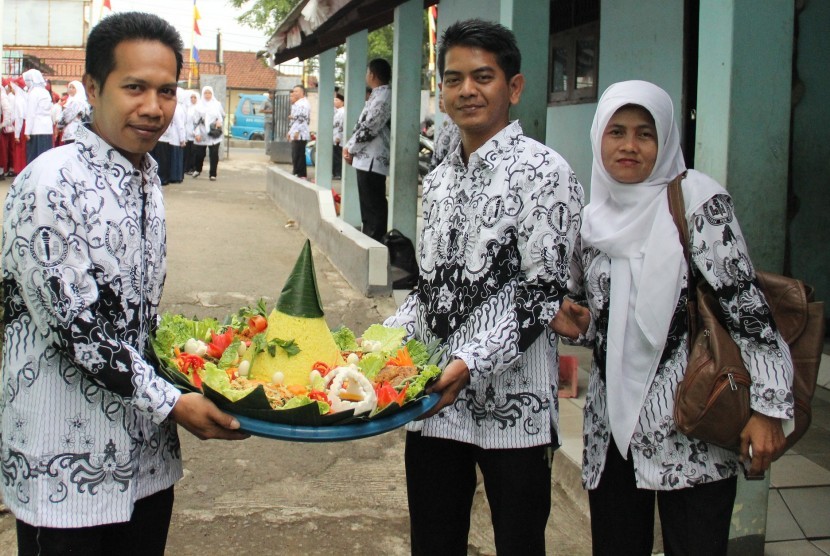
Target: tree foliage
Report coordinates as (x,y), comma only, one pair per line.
(263,14)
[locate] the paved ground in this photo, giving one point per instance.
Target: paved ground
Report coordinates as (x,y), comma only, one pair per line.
(229,245)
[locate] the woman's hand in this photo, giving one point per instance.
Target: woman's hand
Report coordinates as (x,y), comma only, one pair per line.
(765,436)
(571,320)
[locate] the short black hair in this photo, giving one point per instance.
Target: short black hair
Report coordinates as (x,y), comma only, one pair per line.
(486,35)
(339,96)
(381,69)
(300,87)
(127,26)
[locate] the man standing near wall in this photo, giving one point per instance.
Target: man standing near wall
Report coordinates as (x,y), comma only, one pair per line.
(337,136)
(368,149)
(298,132)
(501,214)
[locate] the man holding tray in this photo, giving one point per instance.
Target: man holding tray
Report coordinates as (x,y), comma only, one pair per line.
(501,213)
(90,451)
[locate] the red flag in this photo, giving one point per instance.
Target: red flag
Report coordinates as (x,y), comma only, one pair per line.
(107,5)
(196,18)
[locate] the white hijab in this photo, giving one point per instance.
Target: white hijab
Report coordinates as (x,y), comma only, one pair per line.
(632,224)
(33,78)
(80,93)
(211,106)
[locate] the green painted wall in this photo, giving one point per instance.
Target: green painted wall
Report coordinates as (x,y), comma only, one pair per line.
(743,114)
(809,233)
(631,47)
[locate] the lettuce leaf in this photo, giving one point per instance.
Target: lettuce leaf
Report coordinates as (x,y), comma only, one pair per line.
(218,379)
(418,351)
(417,383)
(344,338)
(174,330)
(391,339)
(298,401)
(371,364)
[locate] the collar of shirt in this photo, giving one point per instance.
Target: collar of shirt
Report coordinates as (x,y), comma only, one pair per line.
(112,166)
(492,150)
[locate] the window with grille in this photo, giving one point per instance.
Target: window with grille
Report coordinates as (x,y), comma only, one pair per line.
(574,51)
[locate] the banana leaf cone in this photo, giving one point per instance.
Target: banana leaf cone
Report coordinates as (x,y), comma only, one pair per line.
(298,316)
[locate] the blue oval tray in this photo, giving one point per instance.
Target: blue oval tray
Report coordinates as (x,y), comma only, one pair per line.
(338,433)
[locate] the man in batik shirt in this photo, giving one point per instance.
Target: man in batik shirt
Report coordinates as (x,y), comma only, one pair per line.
(298,132)
(501,214)
(89,446)
(368,149)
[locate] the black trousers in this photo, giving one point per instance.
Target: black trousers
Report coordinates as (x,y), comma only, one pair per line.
(189,156)
(298,158)
(144,535)
(441,481)
(213,151)
(337,161)
(374,210)
(694,520)
(162,153)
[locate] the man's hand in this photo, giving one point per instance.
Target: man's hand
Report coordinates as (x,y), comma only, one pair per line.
(765,435)
(198,138)
(347,156)
(571,320)
(204,420)
(454,378)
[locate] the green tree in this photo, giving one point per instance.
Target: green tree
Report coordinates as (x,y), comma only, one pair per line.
(264,14)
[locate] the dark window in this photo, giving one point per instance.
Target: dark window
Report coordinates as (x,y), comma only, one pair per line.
(574,51)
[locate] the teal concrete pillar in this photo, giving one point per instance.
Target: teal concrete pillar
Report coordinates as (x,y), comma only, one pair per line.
(742,140)
(743,114)
(530,21)
(325,118)
(357,51)
(406,109)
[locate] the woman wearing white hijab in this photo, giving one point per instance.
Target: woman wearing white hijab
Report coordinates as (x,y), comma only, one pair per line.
(75,111)
(631,271)
(190,125)
(211,116)
(38,115)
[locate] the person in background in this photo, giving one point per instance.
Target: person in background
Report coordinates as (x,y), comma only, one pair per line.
(19,114)
(39,125)
(208,132)
(75,111)
(446,139)
(190,127)
(88,435)
(368,149)
(177,135)
(501,214)
(298,132)
(6,129)
(338,124)
(630,272)
(268,112)
(57,109)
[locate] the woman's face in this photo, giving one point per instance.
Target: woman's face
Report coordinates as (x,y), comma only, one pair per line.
(207,95)
(71,90)
(193,99)
(629,145)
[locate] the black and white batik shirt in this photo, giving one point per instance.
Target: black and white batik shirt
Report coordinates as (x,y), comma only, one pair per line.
(369,143)
(664,458)
(494,257)
(84,416)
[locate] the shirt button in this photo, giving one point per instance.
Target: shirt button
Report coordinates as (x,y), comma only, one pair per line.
(152,471)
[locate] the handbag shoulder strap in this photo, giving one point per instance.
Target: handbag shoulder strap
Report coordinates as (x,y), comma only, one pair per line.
(677,208)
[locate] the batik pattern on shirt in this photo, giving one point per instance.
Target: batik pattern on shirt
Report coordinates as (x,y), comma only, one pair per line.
(85,431)
(298,120)
(494,265)
(369,143)
(664,458)
(338,123)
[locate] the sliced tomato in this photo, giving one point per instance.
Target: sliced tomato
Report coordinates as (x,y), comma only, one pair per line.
(257,324)
(219,343)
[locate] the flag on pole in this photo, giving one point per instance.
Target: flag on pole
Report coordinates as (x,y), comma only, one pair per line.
(107,5)
(433,30)
(196,18)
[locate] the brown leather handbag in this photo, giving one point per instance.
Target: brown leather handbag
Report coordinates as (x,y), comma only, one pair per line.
(712,400)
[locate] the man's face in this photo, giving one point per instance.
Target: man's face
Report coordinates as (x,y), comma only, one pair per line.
(476,93)
(295,95)
(137,101)
(338,103)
